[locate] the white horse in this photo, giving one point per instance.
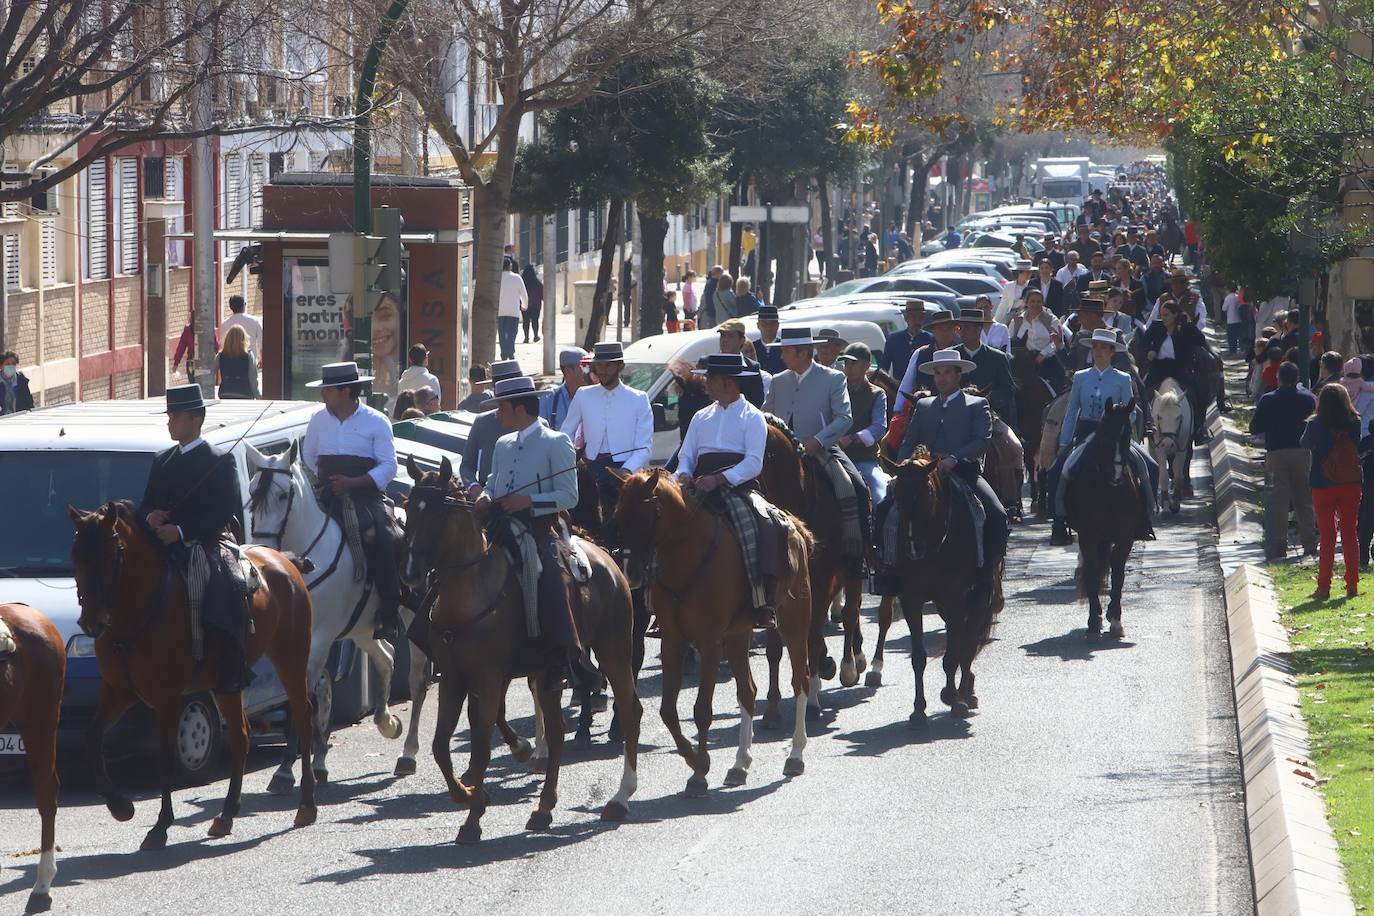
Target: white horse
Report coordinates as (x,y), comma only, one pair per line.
(286,516)
(1172,440)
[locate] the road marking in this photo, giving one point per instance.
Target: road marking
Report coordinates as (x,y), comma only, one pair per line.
(700,846)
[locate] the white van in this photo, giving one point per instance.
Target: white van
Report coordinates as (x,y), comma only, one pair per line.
(85,455)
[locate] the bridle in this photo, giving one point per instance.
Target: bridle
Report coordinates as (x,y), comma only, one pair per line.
(109,589)
(290,501)
(678,593)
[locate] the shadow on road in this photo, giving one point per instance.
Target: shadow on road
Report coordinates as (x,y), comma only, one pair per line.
(1072,646)
(874,742)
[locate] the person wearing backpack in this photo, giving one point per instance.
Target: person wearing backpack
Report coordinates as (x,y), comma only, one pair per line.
(1332,435)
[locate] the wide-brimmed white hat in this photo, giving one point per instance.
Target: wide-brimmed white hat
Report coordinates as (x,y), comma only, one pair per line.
(947,357)
(1103,336)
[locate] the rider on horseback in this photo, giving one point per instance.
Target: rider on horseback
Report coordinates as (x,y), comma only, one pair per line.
(350,449)
(721,457)
(956,429)
(486,430)
(191,500)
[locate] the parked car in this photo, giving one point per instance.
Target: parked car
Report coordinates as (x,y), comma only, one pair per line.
(945,298)
(993,270)
(969,284)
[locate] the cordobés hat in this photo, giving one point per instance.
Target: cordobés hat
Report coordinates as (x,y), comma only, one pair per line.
(947,357)
(185,397)
(944,316)
(830,335)
(1103,336)
(727,364)
(972,316)
(510,389)
(1099,284)
(766,313)
(914,305)
(337,375)
(504,369)
(796,337)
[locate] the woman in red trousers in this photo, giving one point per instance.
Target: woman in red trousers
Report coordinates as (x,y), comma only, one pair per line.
(1333,435)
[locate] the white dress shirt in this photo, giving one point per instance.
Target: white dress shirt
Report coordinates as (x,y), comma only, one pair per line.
(514,296)
(1011,300)
(617,422)
(251,326)
(1038,337)
(998,337)
(365,434)
(1066,277)
(1166,349)
(739,428)
(417,377)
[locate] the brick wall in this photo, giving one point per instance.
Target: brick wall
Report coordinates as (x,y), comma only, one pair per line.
(178,309)
(23,327)
(95,318)
(96,389)
(59,323)
(128,311)
(128,384)
(62,394)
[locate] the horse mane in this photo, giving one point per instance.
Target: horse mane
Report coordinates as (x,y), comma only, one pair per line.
(885,381)
(777,423)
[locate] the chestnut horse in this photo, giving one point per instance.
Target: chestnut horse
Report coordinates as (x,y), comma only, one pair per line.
(33,665)
(1102,499)
(938,537)
(479,644)
(134,604)
(700,594)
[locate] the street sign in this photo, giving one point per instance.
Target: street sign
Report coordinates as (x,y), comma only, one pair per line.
(800,214)
(742,214)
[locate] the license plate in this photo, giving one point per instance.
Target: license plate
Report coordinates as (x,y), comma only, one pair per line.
(11,746)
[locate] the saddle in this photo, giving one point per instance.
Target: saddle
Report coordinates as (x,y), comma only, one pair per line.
(357,519)
(220,583)
(7,644)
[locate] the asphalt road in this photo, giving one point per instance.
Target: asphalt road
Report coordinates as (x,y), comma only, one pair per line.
(1094,779)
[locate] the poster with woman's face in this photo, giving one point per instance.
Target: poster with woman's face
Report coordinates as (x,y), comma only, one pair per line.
(386,346)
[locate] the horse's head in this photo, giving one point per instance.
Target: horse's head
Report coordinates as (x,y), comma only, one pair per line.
(1111,444)
(637,508)
(103,539)
(915,487)
(440,521)
(275,487)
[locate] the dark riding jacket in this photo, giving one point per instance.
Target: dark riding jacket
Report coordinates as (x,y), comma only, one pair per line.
(198,488)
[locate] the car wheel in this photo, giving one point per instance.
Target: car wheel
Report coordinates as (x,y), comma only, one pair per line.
(199,742)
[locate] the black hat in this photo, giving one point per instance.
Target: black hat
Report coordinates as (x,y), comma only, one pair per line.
(337,375)
(796,337)
(766,313)
(185,397)
(731,365)
(608,352)
(972,315)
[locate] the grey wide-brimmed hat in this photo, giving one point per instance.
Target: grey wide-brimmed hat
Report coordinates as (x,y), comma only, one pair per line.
(511,389)
(830,335)
(337,375)
(947,357)
(185,397)
(1103,336)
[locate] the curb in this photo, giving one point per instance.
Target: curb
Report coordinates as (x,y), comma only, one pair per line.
(1294,860)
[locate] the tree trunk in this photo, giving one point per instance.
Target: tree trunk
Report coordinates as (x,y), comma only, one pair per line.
(916,206)
(742,194)
(491,202)
(827,227)
(601,299)
(653,231)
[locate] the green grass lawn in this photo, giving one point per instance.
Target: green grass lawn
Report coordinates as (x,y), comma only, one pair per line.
(1333,654)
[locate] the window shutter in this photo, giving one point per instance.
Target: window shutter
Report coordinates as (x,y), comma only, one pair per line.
(172,185)
(233,193)
(47,240)
(128,215)
(96,267)
(257,176)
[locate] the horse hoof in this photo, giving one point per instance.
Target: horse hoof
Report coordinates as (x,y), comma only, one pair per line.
(874,678)
(539,764)
(793,766)
(221,826)
(849,674)
(826,669)
(155,840)
(972,701)
(613,734)
(283,784)
(947,696)
(38,903)
(390,727)
(468,834)
(540,820)
(736,776)
(305,815)
(813,713)
(959,709)
(1116,631)
(583,741)
(405,766)
(771,720)
(121,809)
(321,776)
(696,787)
(614,811)
(522,751)
(918,719)
(861,662)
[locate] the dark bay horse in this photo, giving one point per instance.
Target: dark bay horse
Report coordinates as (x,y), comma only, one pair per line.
(33,665)
(700,593)
(134,604)
(937,535)
(1102,499)
(1036,397)
(479,645)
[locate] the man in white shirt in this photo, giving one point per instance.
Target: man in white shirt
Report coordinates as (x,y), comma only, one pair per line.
(721,455)
(995,333)
(349,447)
(613,423)
(251,326)
(1013,291)
(514,300)
(1071,271)
(417,375)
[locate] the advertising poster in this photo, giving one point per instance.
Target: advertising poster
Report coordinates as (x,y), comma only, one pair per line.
(317,324)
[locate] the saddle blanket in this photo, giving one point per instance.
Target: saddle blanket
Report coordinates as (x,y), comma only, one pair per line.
(7,644)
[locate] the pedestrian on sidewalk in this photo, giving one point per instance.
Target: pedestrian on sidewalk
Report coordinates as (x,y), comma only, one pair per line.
(417,374)
(707,311)
(236,366)
(514,300)
(746,302)
(725,305)
(14,386)
(1234,311)
(670,319)
(1332,435)
(1280,417)
(535,288)
(689,296)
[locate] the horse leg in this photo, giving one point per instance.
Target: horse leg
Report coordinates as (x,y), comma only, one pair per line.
(772,715)
(702,713)
(284,779)
(113,703)
(40,742)
(520,749)
(1121,552)
(1090,562)
(236,729)
(673,649)
(540,759)
(957,634)
(167,709)
(483,708)
(618,666)
(911,610)
(821,593)
(451,696)
(551,701)
(379,688)
(875,672)
(737,654)
(419,688)
(792,627)
(854,662)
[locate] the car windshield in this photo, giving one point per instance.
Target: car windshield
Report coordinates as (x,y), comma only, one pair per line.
(41,485)
(1061,187)
(844,289)
(641,376)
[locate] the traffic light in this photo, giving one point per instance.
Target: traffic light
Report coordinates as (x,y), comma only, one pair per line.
(369,268)
(388,223)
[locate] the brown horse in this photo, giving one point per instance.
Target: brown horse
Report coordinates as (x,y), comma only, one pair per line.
(1036,397)
(699,594)
(33,664)
(134,604)
(1102,499)
(788,483)
(479,644)
(939,538)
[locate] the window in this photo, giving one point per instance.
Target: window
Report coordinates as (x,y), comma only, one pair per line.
(584,230)
(47,244)
(97,267)
(154,178)
(276,164)
(257,175)
(172,185)
(126,215)
(10,210)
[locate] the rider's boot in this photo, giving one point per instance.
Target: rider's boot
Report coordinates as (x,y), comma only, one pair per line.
(387,624)
(1145,531)
(1059,534)
(980,593)
(234,673)
(765,617)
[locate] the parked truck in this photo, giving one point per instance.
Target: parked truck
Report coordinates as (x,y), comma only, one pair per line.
(1062,180)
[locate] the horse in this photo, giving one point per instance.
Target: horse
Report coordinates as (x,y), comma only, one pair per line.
(1004,462)
(939,536)
(699,593)
(1048,451)
(285,515)
(1172,440)
(788,483)
(479,643)
(1102,500)
(134,605)
(33,666)
(1036,397)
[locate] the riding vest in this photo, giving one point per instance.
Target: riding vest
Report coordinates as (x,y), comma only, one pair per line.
(861,399)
